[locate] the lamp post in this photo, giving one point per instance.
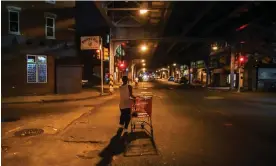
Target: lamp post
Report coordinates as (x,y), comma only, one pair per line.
(133,64)
(100,51)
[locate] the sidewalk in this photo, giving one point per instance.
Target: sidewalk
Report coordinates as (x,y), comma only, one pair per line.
(85,94)
(260,97)
(248,96)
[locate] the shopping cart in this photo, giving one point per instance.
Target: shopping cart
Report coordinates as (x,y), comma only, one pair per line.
(141,114)
(141,140)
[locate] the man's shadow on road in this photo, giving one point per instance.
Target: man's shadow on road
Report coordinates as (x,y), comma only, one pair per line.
(115,147)
(118,145)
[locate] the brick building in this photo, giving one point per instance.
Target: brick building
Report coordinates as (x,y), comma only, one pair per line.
(34,35)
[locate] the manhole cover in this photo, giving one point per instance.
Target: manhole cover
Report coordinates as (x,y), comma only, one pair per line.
(28,132)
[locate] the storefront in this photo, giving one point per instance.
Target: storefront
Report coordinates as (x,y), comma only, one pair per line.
(266,78)
(219,78)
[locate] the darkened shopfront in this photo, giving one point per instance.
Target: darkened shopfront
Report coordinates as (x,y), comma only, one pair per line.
(219,66)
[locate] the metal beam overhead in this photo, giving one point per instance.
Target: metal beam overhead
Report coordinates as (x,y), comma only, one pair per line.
(103,13)
(190,26)
(130,9)
(172,39)
(210,28)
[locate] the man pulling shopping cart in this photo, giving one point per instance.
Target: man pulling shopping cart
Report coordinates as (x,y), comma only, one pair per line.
(126,97)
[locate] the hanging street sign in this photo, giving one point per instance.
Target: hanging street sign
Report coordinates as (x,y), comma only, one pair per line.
(120,51)
(90,42)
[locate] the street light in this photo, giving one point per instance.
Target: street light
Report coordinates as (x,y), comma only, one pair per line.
(143,11)
(144,48)
(174,64)
(215,48)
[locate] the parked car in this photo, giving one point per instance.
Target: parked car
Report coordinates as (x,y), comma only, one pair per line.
(196,81)
(157,77)
(177,80)
(272,87)
(171,78)
(183,80)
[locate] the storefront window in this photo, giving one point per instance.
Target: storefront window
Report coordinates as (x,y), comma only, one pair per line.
(36,69)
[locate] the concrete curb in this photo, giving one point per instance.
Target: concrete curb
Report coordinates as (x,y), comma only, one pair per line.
(60,100)
(51,101)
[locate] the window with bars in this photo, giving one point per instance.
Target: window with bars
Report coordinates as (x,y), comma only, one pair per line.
(36,69)
(14,21)
(50,27)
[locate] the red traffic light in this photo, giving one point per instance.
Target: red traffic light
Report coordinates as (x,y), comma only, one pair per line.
(122,65)
(241,59)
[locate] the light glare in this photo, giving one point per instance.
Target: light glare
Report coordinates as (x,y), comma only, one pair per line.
(143,11)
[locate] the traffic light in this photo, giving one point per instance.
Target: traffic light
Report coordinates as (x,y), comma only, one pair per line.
(241,59)
(98,53)
(122,66)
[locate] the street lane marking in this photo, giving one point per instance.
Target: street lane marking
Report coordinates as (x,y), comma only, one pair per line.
(214,97)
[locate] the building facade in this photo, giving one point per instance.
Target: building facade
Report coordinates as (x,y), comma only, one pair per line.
(33,35)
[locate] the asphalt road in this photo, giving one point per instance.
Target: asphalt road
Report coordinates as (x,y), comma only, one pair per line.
(199,127)
(192,126)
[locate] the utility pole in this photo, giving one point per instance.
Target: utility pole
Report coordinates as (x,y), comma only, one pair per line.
(239,87)
(101,54)
(241,61)
(111,64)
(232,69)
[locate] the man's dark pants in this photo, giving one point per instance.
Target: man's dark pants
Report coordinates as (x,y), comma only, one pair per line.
(125,117)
